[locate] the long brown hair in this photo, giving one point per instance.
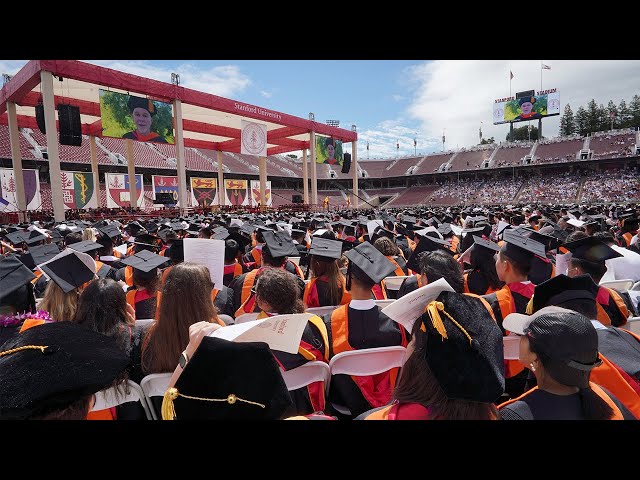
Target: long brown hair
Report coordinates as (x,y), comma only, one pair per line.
(330,272)
(61,306)
(418,384)
(186,299)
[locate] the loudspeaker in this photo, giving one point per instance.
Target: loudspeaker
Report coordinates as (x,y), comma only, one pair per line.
(69,125)
(346,165)
(40,118)
(296,198)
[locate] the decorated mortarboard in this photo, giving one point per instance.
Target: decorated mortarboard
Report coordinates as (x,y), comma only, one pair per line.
(49,367)
(279,244)
(325,249)
(368,259)
(13,275)
(145,261)
(85,246)
(427,244)
(521,248)
(69,271)
(43,253)
(592,250)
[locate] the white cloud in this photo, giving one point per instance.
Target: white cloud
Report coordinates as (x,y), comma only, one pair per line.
(266,94)
(398,98)
(457,95)
(384,138)
(224,80)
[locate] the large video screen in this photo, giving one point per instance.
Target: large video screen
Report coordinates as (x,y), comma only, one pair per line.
(328,150)
(138,118)
(531,107)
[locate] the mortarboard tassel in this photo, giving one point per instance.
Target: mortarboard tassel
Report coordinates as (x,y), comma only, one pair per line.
(168,410)
(433,308)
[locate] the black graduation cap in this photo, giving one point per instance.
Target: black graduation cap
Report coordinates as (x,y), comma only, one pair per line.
(27,260)
(488,244)
(163,233)
(76,362)
(521,248)
(592,250)
(550,242)
(176,226)
(35,237)
(367,257)
(145,261)
(445,229)
(473,230)
(110,230)
(220,233)
(176,250)
(241,239)
(86,246)
(44,253)
(403,230)
(298,231)
(229,381)
(325,249)
(382,232)
(426,244)
(193,229)
(347,244)
(408,219)
(68,272)
(561,288)
(13,275)
(247,228)
(17,237)
(146,241)
(280,244)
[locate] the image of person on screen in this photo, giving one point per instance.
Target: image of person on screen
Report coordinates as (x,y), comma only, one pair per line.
(331,151)
(142,110)
(526,106)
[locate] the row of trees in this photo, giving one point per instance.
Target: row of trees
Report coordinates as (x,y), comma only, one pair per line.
(597,118)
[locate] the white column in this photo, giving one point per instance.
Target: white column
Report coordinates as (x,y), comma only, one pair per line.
(262,164)
(131,170)
(305,177)
(93,149)
(53,152)
(16,159)
(314,177)
(221,193)
(180,163)
(354,167)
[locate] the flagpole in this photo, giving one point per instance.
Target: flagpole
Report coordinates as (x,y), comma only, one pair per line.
(541,75)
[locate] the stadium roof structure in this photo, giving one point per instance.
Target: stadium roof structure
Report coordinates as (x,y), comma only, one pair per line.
(208,121)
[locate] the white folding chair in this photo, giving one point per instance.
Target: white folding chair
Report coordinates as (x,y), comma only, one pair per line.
(113,396)
(320,311)
(394,282)
(306,374)
(511,345)
(626,284)
(383,303)
(365,362)
(295,260)
(633,324)
(154,385)
(143,322)
(226,319)
(246,317)
(636,286)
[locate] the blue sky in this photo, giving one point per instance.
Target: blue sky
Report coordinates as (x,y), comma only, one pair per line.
(394,101)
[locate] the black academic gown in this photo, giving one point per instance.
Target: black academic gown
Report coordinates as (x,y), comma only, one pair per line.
(621,348)
(409,284)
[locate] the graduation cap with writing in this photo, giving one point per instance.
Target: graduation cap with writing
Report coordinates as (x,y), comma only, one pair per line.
(13,275)
(145,261)
(592,250)
(86,246)
(325,249)
(372,263)
(68,272)
(74,362)
(426,244)
(520,248)
(279,244)
(229,381)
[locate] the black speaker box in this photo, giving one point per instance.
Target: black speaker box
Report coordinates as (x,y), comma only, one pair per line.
(296,198)
(346,165)
(40,118)
(69,125)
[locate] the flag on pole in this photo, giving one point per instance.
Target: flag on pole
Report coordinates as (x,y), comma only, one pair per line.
(545,67)
(510,75)
(367,146)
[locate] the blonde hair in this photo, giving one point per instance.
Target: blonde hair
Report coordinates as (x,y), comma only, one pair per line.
(61,306)
(89,234)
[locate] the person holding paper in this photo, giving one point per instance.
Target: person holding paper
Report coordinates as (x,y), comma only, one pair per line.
(276,294)
(453,368)
(361,325)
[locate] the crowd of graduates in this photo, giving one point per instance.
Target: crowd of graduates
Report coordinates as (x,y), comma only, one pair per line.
(85,306)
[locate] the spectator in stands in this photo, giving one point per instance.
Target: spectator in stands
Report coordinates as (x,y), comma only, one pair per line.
(142,110)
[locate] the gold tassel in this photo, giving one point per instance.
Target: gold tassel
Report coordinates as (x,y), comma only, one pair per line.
(168,410)
(529,310)
(433,308)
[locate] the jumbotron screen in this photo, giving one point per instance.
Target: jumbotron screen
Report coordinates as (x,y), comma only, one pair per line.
(545,103)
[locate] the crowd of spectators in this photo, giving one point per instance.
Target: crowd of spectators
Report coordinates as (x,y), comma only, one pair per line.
(612,185)
(557,188)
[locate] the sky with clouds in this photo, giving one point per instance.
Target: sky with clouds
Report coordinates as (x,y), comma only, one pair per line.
(395,101)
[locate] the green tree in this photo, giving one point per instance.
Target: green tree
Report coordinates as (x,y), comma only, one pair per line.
(486,141)
(581,121)
(567,122)
(634,110)
(604,122)
(592,116)
(522,133)
(624,115)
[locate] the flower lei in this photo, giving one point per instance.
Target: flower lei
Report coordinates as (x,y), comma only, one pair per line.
(18,318)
